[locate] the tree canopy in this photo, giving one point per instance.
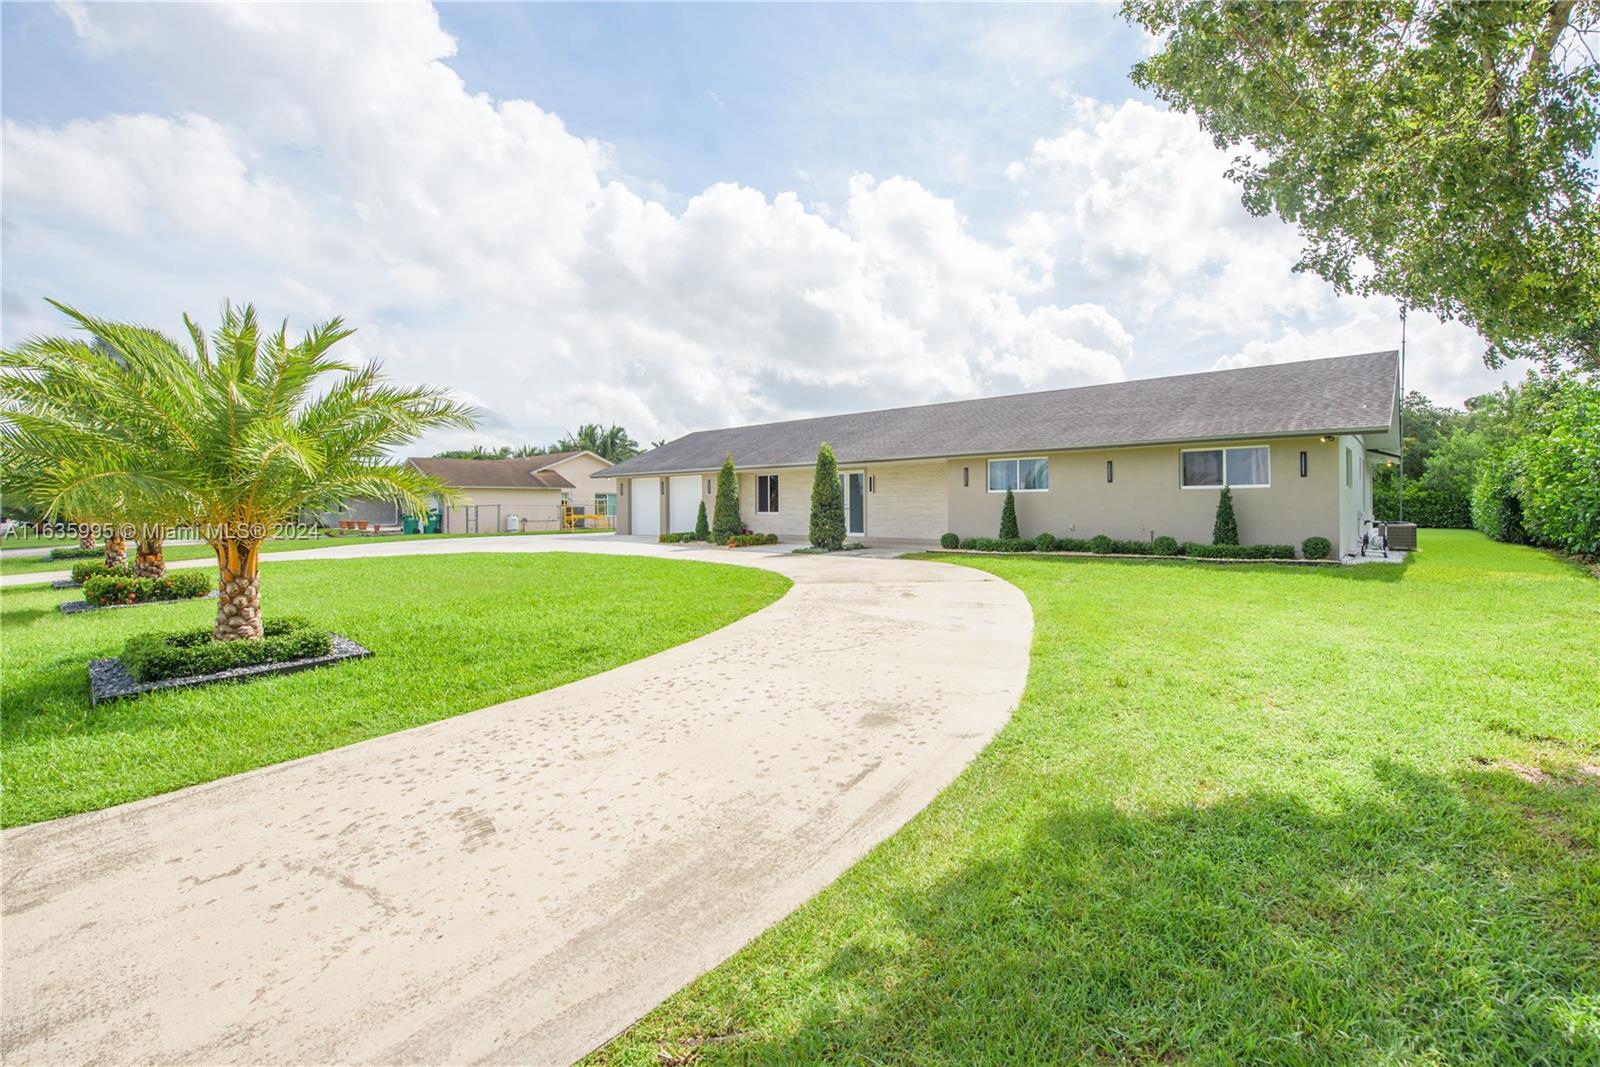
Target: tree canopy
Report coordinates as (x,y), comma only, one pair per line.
(608,442)
(1436,151)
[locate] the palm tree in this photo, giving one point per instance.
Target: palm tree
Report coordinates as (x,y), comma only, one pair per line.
(612,443)
(237,437)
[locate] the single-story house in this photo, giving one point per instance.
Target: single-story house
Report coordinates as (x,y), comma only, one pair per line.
(1295,442)
(532,488)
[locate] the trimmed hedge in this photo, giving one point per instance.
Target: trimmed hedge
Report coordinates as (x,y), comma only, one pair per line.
(949,540)
(91,568)
(1196,550)
(77,553)
(969,544)
(152,657)
(1002,544)
(749,540)
(1316,547)
(676,538)
(126,589)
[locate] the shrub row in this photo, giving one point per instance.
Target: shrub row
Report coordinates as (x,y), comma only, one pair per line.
(152,657)
(77,553)
(680,538)
(126,589)
(91,568)
(1315,547)
(747,540)
(1196,550)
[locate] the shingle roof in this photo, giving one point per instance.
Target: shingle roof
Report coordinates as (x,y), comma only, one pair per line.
(515,473)
(1344,394)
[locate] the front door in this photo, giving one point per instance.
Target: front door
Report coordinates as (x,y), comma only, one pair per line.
(853,486)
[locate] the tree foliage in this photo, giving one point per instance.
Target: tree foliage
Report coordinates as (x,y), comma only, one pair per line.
(611,443)
(725,521)
(236,436)
(1440,152)
(827,503)
(702,528)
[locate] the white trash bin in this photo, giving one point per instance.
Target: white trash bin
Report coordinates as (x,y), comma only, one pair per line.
(513,524)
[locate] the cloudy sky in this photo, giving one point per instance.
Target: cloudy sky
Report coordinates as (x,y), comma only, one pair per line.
(672,218)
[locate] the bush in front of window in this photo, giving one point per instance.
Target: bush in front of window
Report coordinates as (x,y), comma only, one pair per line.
(1008,519)
(1100,544)
(1316,547)
(1226,529)
(949,540)
(1045,542)
(702,529)
(827,503)
(1165,546)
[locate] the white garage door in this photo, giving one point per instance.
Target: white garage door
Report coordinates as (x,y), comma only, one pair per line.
(683,503)
(645,510)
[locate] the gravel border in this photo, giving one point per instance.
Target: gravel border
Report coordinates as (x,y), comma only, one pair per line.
(109,680)
(78,607)
(65,583)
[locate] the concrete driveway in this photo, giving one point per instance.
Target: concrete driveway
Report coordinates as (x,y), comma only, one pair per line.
(520,883)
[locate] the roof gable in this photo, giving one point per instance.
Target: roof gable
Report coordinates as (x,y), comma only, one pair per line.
(514,473)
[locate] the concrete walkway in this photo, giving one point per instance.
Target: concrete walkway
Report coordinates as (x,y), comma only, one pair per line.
(520,883)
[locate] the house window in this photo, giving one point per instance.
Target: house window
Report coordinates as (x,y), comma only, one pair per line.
(1021,475)
(1241,468)
(1349,468)
(766,494)
(605,503)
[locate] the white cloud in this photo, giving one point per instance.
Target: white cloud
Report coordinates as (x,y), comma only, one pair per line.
(340,164)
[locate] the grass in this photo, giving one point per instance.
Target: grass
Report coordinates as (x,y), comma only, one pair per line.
(1243,814)
(173,553)
(452,634)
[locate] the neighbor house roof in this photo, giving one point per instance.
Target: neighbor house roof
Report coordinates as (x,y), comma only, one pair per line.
(515,473)
(1344,394)
(551,459)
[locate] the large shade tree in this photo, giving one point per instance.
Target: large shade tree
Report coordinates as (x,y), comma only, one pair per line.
(1437,151)
(237,436)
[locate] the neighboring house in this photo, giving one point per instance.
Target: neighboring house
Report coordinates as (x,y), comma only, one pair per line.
(531,488)
(1295,441)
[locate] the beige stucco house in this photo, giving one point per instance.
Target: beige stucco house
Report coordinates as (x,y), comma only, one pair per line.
(1296,442)
(532,489)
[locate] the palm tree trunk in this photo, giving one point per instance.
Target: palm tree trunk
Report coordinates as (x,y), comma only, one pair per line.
(85,535)
(148,560)
(116,551)
(239,586)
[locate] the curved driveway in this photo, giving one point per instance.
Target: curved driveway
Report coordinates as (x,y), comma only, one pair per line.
(519,883)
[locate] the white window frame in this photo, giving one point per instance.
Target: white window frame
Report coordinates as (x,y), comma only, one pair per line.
(1225,449)
(987,481)
(773,485)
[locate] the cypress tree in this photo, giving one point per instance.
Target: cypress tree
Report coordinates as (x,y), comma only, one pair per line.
(725,521)
(1008,518)
(1226,530)
(827,503)
(702,529)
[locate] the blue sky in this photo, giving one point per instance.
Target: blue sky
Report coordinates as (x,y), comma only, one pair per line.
(667,216)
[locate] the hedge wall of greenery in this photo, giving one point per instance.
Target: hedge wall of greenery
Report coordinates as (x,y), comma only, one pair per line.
(152,657)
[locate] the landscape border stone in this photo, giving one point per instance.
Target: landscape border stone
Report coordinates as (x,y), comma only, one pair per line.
(110,680)
(77,607)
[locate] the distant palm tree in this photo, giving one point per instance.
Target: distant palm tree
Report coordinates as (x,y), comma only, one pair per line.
(238,437)
(476,452)
(611,443)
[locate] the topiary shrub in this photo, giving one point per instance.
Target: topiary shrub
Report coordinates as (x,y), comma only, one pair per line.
(1045,542)
(1008,519)
(1165,546)
(125,588)
(152,657)
(91,568)
(949,540)
(1101,544)
(702,529)
(1226,529)
(827,503)
(725,521)
(1316,547)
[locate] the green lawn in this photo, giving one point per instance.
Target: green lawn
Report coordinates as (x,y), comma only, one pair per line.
(1243,814)
(452,634)
(35,564)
